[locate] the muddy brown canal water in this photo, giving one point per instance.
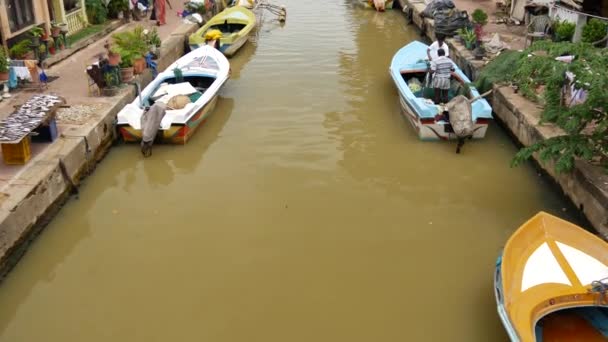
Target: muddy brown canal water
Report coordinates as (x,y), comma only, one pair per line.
(305,210)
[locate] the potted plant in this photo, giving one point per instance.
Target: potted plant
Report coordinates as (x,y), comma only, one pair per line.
(468,36)
(36,32)
(126,65)
(42,52)
(55,30)
(139,63)
(480,19)
(51,43)
(22,50)
(3,65)
(113,56)
(154,42)
(111,84)
(479,52)
(63,28)
(134,42)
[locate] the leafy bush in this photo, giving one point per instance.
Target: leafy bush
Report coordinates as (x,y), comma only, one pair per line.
(480,17)
(20,49)
(586,124)
(96,11)
(3,61)
(594,30)
(502,68)
(564,31)
(117,6)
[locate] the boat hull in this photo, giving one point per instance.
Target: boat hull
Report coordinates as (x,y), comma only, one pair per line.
(429,130)
(177,134)
(228,49)
(388,4)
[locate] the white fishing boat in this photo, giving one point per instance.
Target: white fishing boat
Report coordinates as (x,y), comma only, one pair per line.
(199,75)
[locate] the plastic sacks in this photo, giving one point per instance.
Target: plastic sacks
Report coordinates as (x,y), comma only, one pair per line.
(461,116)
(435,5)
(447,22)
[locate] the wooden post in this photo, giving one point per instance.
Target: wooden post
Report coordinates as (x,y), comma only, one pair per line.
(84,17)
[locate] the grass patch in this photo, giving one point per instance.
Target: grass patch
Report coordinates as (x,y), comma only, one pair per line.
(85,33)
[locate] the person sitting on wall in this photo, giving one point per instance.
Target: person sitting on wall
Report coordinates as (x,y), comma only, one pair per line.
(442,69)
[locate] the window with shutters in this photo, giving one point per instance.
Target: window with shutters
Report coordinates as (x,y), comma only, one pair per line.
(20,14)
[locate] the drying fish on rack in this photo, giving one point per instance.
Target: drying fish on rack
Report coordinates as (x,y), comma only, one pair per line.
(38,110)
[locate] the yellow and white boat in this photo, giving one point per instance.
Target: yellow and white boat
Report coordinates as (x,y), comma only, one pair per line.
(229,28)
(551,283)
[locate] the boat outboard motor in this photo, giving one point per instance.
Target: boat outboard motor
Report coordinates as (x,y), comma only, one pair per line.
(150,124)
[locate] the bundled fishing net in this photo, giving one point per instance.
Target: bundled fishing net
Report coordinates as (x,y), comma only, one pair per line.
(213,35)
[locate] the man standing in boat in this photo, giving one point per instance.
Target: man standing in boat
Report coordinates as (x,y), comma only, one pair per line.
(441,69)
(431,52)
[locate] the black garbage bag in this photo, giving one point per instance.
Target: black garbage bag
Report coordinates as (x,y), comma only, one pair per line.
(437,5)
(450,21)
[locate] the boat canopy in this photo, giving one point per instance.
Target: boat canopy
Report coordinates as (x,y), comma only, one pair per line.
(548,265)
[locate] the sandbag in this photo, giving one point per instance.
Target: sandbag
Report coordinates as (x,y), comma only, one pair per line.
(447,22)
(461,116)
(435,5)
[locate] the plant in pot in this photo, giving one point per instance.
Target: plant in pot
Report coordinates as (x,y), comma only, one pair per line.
(126,65)
(480,19)
(479,51)
(42,52)
(51,43)
(135,42)
(154,42)
(22,50)
(113,56)
(469,37)
(55,30)
(112,82)
(3,65)
(35,33)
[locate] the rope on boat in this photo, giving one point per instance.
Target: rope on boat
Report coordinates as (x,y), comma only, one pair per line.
(279,11)
(600,287)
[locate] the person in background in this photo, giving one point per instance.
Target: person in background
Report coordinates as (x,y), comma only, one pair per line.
(431,52)
(442,69)
(160,12)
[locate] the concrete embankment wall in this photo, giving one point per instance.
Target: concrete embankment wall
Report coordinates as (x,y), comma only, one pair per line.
(35,195)
(586,186)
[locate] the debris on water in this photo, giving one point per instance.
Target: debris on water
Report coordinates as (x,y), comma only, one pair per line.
(77,114)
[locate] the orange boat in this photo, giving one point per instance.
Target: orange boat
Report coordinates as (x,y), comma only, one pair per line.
(551,283)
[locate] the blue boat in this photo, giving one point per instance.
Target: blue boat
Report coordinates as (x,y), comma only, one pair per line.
(409,69)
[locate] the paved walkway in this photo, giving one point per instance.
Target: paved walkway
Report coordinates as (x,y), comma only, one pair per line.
(72,85)
(72,81)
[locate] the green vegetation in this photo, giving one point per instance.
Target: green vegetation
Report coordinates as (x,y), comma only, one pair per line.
(84,33)
(131,45)
(3,61)
(479,17)
(117,6)
(594,30)
(97,13)
(541,78)
(20,49)
(564,31)
(36,31)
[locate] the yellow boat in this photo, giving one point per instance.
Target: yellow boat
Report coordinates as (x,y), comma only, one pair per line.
(231,27)
(551,283)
